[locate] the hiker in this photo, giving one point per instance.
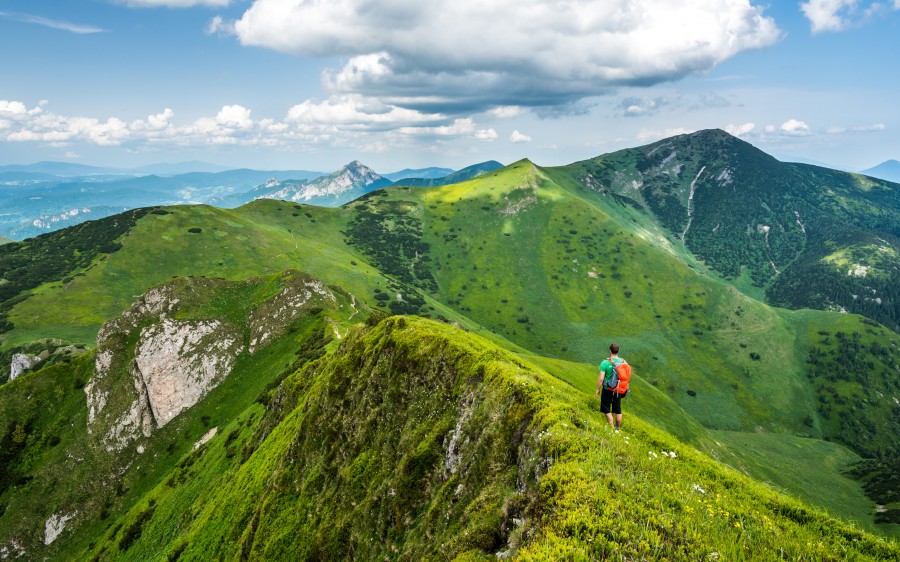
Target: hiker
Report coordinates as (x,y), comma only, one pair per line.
(612,385)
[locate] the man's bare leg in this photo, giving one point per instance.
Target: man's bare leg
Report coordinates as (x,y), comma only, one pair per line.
(609,418)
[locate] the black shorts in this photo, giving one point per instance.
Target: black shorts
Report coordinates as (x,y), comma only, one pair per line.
(609,399)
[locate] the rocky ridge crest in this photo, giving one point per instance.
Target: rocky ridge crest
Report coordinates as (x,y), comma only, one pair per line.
(161,357)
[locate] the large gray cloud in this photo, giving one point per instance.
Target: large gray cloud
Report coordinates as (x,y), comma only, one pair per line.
(468,55)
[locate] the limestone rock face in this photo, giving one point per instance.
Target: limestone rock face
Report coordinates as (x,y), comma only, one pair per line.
(142,386)
(179,362)
(55,525)
(172,347)
(21,363)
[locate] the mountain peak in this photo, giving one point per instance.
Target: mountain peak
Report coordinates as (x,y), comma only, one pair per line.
(888,170)
(344,185)
(356,165)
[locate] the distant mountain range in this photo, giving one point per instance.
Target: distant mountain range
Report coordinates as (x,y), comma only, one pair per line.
(465,174)
(46,196)
(71,169)
(418,173)
(889,170)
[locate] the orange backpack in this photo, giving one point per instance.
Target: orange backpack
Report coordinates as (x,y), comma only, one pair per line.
(621,376)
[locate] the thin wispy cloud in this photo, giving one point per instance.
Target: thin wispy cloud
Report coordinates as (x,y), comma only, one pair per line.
(54,24)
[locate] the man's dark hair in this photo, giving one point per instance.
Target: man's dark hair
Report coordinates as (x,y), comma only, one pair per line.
(614,348)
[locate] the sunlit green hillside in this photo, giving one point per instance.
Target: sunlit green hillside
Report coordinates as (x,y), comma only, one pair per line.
(417,441)
(535,261)
(805,236)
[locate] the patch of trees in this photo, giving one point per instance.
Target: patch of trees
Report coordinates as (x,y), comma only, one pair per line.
(12,448)
(57,256)
(815,284)
(854,383)
(881,482)
(391,237)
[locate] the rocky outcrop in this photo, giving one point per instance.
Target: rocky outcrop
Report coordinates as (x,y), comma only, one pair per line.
(168,351)
(206,437)
(179,362)
(22,363)
(270,318)
(172,365)
(55,525)
(12,550)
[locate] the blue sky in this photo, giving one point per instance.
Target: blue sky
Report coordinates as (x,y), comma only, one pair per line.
(408,83)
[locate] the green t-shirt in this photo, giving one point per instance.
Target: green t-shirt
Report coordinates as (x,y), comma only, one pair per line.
(607,370)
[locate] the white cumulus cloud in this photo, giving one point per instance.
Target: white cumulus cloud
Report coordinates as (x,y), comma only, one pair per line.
(234,116)
(359,112)
(508,111)
(740,130)
(836,15)
(827,15)
(341,121)
(795,128)
(458,127)
(11,108)
(450,55)
(516,136)
(488,135)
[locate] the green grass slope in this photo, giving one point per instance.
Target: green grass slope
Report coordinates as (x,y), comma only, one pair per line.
(417,441)
(51,465)
(465,174)
(813,470)
(529,259)
(538,263)
(810,237)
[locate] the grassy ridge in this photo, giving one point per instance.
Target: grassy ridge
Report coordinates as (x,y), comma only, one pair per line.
(563,276)
(526,258)
(452,448)
(810,469)
(48,452)
(231,244)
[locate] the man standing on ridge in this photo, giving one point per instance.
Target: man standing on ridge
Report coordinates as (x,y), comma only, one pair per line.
(612,385)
